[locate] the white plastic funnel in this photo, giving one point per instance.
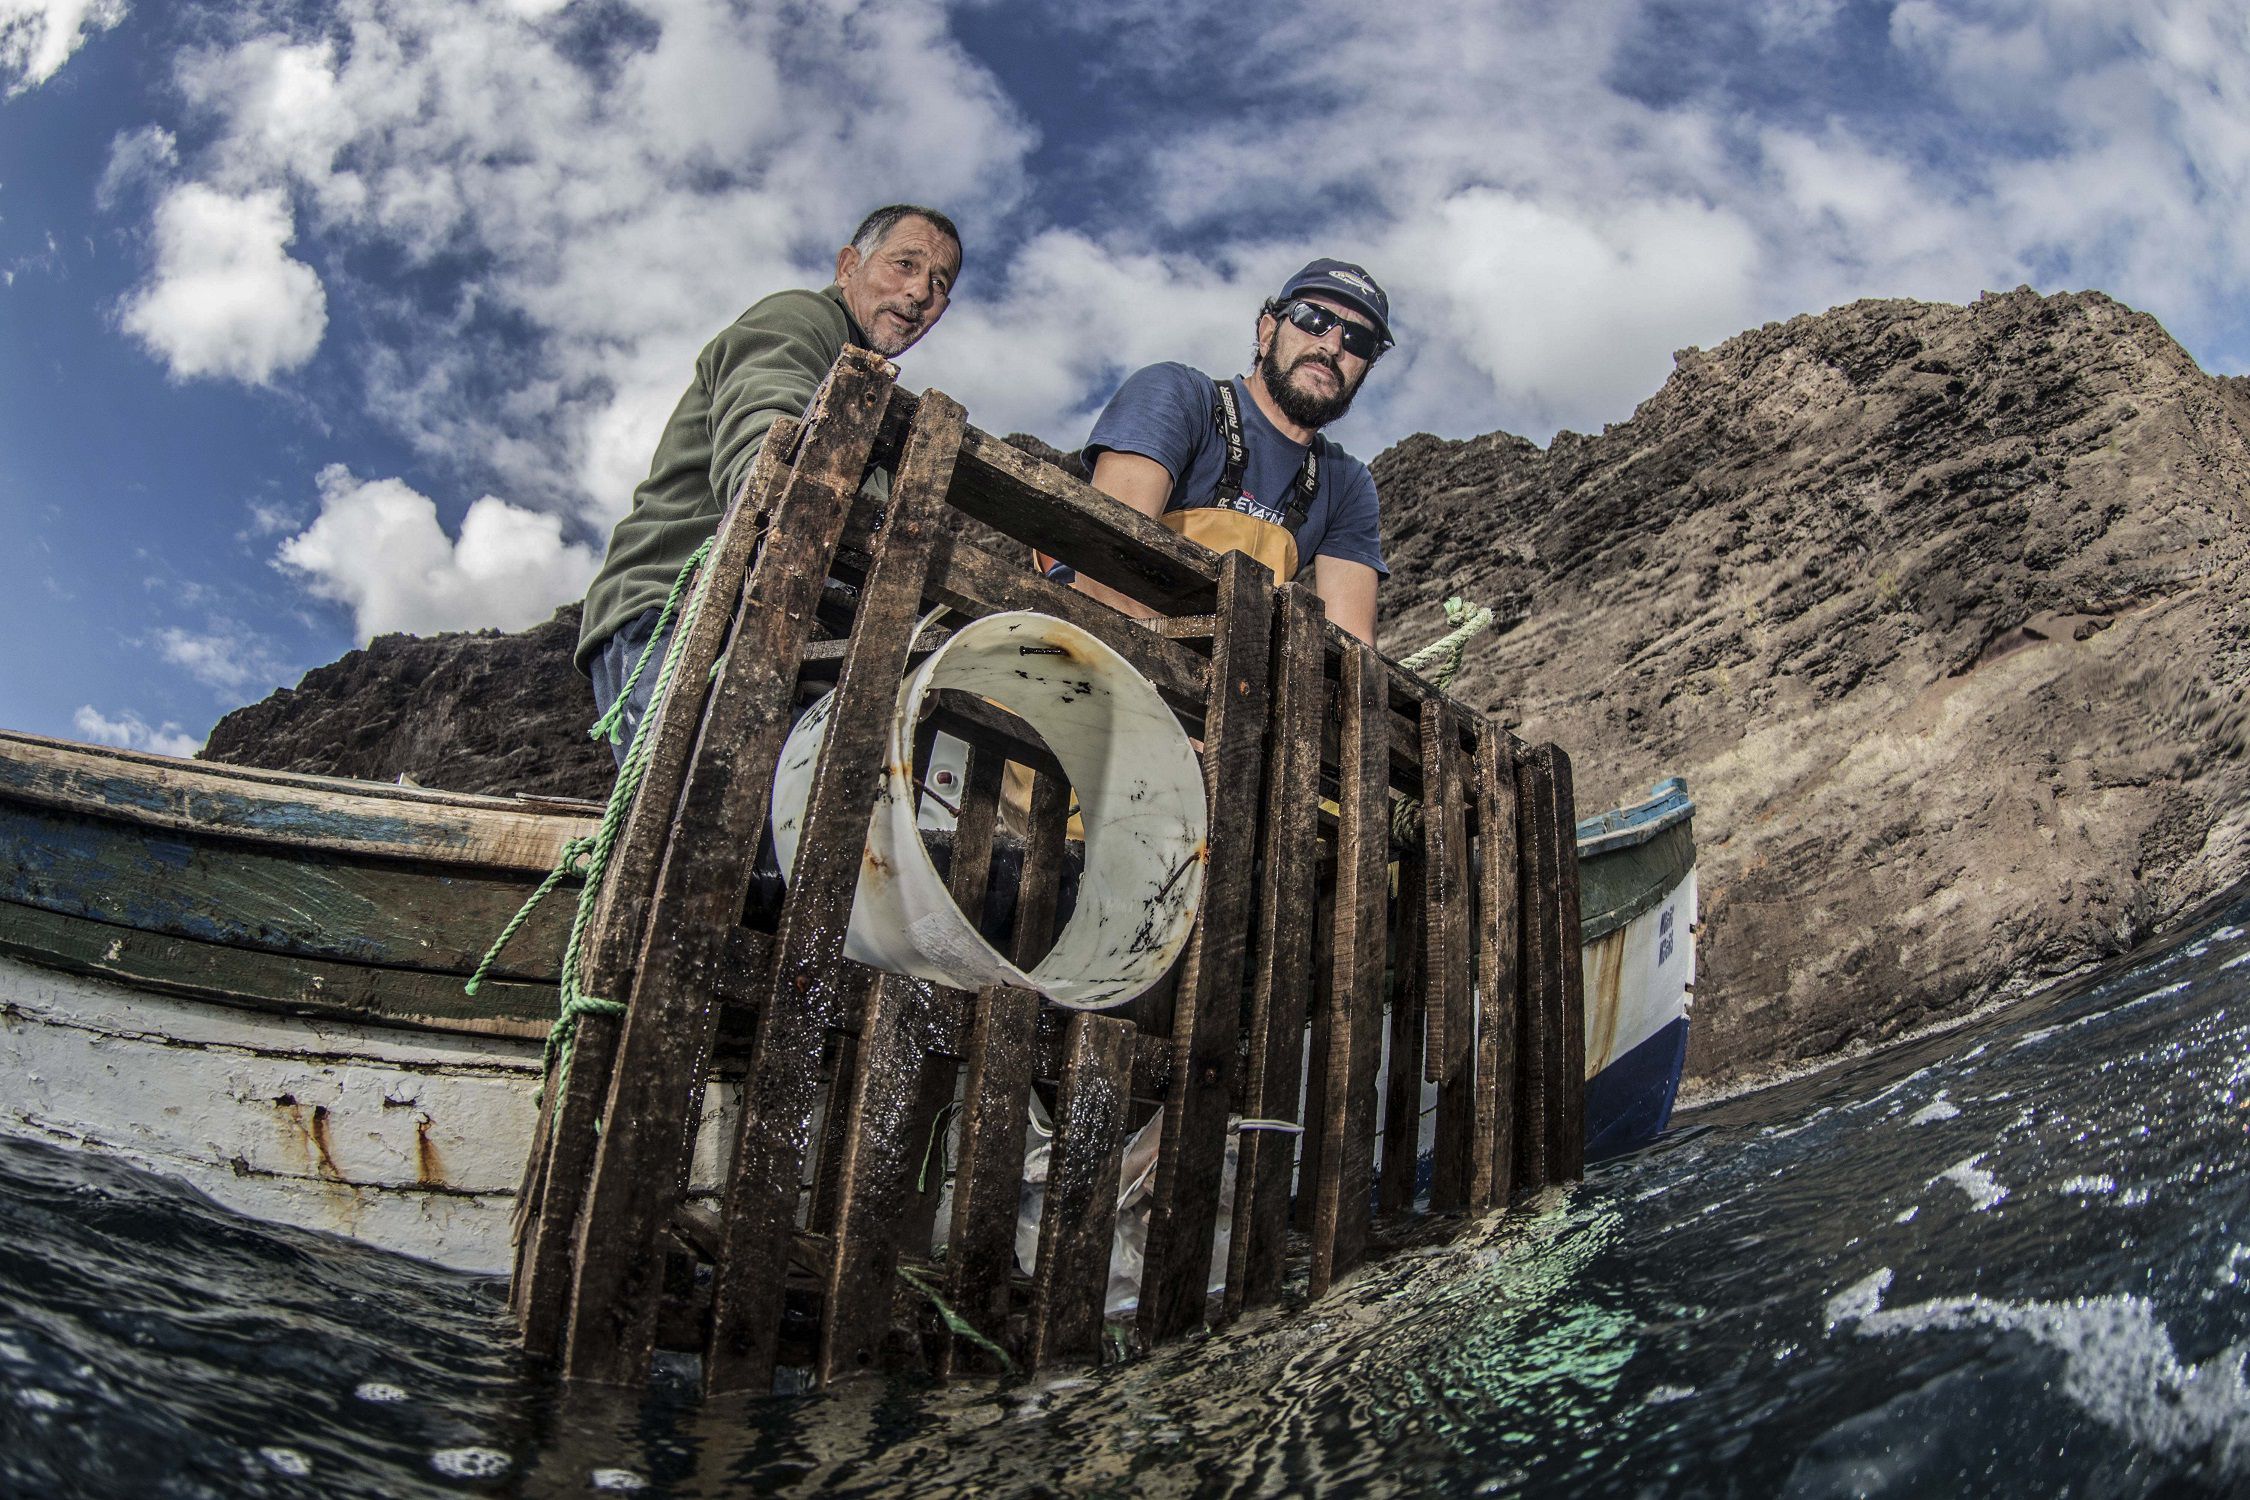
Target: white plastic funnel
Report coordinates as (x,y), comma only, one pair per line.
(1140,798)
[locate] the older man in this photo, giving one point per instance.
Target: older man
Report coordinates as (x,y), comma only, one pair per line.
(893,282)
(1240,464)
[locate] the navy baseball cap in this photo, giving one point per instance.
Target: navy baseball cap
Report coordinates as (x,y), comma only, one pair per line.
(1348,284)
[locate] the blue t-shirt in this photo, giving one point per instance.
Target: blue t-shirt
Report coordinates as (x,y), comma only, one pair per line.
(1169,413)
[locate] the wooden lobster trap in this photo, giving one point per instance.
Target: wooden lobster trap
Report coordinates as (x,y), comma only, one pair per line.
(1335,961)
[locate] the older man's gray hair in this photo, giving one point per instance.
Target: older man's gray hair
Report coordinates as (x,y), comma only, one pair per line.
(877,227)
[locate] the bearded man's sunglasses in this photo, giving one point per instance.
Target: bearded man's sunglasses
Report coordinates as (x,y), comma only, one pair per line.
(1360,341)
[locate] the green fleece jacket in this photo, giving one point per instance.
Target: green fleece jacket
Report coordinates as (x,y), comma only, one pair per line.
(766,364)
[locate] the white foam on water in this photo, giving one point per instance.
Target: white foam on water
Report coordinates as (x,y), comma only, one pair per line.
(2230,1274)
(2132,1197)
(470,1463)
(1940,1108)
(1664,1395)
(287,1461)
(2101,1183)
(376,1390)
(618,1481)
(2119,1365)
(2237,961)
(1906,1215)
(39,1400)
(1859,1300)
(1984,1190)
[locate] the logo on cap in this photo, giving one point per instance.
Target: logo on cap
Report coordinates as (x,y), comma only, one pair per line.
(1361,282)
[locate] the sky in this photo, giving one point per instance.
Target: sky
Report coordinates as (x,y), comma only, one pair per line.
(320,321)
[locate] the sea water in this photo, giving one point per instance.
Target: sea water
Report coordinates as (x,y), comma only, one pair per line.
(2013,1259)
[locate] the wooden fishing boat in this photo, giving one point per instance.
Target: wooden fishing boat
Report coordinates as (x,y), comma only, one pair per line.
(252,981)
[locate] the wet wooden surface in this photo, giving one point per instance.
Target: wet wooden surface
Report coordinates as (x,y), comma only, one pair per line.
(1207,1015)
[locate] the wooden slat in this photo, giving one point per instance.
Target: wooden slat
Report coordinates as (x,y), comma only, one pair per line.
(279,898)
(1563,1000)
(987,1187)
(273,807)
(1451,958)
(1499,1005)
(1109,542)
(1407,1006)
(1281,954)
(1207,1018)
(1340,1226)
(780,1092)
(1071,1283)
(975,582)
(1539,1066)
(562,1151)
(1039,890)
(319,989)
(722,761)
(884,1146)
(1311,1147)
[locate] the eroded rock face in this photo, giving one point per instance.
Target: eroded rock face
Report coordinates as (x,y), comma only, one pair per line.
(469,711)
(1940,610)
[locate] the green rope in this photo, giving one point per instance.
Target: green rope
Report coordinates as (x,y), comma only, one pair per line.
(1440,661)
(573,862)
(953,1320)
(589,858)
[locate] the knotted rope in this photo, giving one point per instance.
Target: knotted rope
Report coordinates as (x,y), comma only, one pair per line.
(1440,662)
(589,857)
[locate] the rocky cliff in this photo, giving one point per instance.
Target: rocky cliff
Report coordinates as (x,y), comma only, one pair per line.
(469,711)
(1938,609)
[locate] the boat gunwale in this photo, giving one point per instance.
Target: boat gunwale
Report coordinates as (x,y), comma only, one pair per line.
(287,808)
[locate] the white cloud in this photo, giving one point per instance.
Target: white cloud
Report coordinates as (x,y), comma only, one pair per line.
(1558,196)
(227,656)
(377,547)
(38,36)
(130,731)
(226,299)
(137,159)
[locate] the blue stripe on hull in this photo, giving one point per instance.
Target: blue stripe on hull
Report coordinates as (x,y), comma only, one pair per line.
(1629,1103)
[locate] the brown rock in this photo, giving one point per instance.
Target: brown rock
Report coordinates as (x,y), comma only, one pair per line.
(1940,610)
(469,711)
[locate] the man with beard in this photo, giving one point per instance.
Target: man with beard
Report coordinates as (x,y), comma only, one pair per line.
(1241,465)
(893,282)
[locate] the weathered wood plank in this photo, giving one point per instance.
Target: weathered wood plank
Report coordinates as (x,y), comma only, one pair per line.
(1111,543)
(700,884)
(1311,1146)
(779,1094)
(279,898)
(1407,1012)
(1499,975)
(1071,1284)
(321,989)
(1281,954)
(981,1245)
(1039,889)
(1540,1064)
(562,1152)
(275,807)
(1562,996)
(883,1148)
(1451,957)
(1207,1018)
(1341,1224)
(971,580)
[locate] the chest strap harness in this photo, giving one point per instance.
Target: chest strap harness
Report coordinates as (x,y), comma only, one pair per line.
(1228,416)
